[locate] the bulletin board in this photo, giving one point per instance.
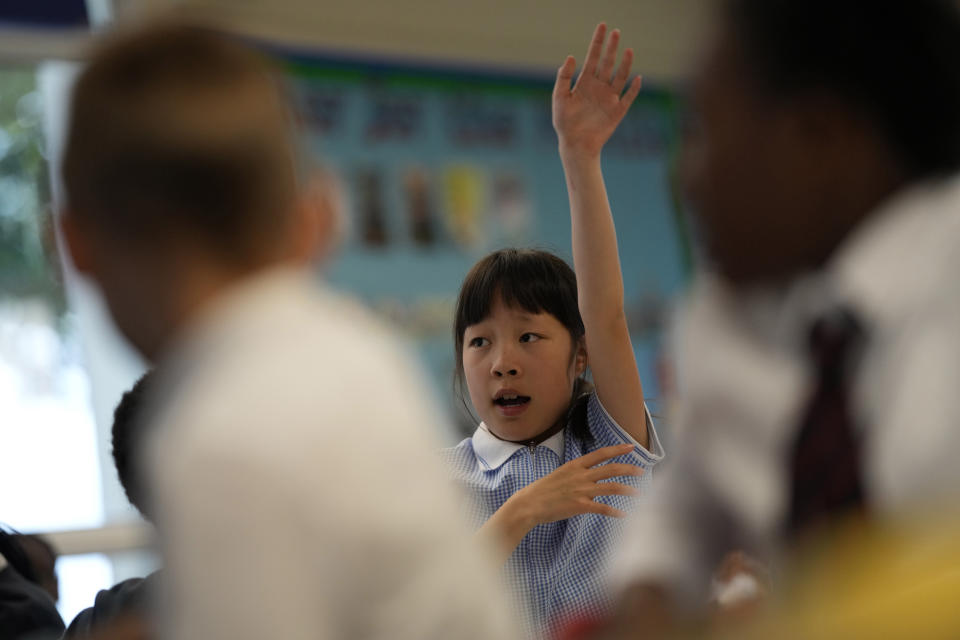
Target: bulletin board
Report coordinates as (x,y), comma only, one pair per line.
(442,165)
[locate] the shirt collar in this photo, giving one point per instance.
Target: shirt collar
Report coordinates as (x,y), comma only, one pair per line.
(492,452)
(878,270)
(247,307)
(244,306)
(875,273)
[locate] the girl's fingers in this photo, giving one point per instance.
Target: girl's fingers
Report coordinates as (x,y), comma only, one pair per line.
(609,56)
(614,470)
(613,489)
(623,71)
(594,50)
(631,94)
(604,510)
(601,455)
(564,76)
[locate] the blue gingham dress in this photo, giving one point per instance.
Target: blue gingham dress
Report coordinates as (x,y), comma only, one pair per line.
(556,572)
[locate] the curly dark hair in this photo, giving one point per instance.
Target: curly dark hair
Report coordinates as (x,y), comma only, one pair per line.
(12,550)
(127,434)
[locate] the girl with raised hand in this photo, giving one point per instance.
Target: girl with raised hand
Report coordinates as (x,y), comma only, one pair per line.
(556,459)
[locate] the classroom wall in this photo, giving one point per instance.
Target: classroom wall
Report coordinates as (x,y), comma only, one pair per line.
(440,165)
(518,34)
(532,34)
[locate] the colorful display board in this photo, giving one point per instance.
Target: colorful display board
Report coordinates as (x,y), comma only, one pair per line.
(441,166)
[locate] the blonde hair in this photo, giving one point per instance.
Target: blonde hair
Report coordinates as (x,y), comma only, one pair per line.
(179,132)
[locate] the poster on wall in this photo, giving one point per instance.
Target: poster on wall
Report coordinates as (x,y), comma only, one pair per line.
(444,165)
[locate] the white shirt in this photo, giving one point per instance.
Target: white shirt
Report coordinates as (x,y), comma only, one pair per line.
(296,485)
(744,378)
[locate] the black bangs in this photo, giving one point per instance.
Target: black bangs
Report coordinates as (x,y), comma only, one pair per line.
(529,279)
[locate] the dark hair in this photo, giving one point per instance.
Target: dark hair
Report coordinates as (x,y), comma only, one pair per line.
(177,132)
(896,61)
(12,550)
(37,540)
(530,279)
(42,558)
(127,436)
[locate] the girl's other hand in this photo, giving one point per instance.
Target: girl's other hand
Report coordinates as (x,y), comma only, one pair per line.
(571,489)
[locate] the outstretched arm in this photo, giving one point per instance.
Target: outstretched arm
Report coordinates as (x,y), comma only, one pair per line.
(585,117)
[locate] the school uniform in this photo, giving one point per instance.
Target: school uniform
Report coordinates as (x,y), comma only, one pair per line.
(557,570)
(746,379)
(295,489)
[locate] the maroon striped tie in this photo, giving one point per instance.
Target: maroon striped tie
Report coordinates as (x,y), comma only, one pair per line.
(825,465)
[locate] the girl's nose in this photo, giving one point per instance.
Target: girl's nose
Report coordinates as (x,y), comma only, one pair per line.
(505,365)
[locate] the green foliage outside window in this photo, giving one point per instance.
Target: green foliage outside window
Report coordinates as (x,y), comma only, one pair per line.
(28,267)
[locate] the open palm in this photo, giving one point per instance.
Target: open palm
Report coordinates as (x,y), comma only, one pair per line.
(586,116)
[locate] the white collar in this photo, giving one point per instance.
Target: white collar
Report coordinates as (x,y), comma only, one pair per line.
(249,305)
(903,252)
(492,452)
(893,262)
(245,305)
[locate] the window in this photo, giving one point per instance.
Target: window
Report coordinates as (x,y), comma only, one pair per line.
(57,474)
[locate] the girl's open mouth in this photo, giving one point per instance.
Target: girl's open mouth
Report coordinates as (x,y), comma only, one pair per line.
(512,405)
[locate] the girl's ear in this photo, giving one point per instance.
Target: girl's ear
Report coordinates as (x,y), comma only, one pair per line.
(580,358)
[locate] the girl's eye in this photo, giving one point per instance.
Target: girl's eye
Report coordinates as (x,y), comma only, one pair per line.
(479,342)
(529,337)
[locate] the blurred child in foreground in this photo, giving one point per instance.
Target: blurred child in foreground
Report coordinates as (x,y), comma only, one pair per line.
(290,469)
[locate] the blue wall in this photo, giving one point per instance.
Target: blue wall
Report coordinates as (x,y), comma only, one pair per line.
(494,128)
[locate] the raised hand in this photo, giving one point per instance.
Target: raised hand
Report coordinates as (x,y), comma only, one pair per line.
(586,116)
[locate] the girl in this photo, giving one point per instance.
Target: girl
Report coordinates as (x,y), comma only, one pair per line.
(536,462)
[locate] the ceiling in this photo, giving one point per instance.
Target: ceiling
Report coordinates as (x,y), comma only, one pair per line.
(526,35)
